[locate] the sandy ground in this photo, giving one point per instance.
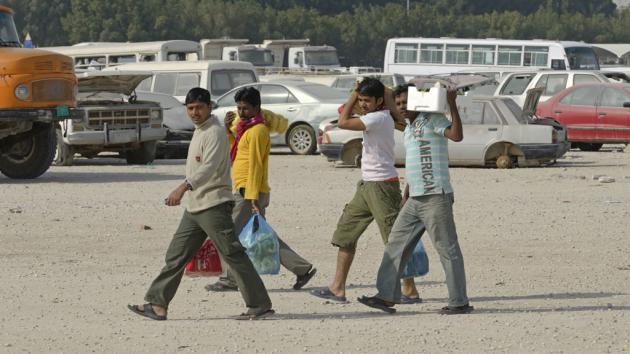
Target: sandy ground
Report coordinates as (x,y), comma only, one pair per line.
(546,253)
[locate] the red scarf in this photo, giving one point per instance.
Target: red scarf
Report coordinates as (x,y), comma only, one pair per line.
(241,128)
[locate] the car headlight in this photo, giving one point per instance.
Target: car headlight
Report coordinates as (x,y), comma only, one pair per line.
(156,115)
(22,92)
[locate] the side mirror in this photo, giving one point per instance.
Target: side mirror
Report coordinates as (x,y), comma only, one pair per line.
(626,104)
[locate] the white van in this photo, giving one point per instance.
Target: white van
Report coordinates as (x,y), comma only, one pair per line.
(177,78)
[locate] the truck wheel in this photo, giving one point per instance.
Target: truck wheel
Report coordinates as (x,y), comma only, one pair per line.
(301,140)
(64,153)
(32,156)
(143,155)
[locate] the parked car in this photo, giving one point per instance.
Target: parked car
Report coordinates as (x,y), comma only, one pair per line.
(516,85)
(497,132)
(179,127)
(304,104)
(594,114)
(115,120)
(348,82)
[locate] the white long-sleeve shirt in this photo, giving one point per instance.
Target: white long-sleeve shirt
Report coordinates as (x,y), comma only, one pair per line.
(208,167)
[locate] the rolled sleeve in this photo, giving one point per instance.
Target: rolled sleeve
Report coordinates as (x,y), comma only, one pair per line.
(440,123)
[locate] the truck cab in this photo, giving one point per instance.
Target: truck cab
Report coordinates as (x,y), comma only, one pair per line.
(313,58)
(259,57)
(37,90)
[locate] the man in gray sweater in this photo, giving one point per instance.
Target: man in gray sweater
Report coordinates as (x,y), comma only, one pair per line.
(208,214)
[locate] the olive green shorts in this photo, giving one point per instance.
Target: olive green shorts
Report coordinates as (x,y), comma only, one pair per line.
(378,201)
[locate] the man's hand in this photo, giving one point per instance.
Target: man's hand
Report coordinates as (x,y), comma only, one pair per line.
(255,207)
(175,198)
(227,121)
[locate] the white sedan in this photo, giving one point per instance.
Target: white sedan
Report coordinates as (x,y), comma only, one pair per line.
(304,104)
(497,132)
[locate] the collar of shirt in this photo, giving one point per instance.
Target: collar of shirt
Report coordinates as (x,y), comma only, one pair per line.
(208,122)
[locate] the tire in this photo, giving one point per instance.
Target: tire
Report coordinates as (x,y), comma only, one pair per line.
(589,146)
(64,153)
(351,154)
(143,155)
(301,140)
(504,162)
(30,157)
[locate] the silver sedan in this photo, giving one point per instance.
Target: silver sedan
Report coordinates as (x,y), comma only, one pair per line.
(497,132)
(304,104)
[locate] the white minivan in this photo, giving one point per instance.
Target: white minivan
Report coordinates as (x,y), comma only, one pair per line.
(177,78)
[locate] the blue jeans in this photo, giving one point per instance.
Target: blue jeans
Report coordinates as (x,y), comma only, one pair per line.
(435,213)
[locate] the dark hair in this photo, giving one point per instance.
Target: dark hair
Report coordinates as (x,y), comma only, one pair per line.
(198,94)
(400,89)
(371,86)
(249,95)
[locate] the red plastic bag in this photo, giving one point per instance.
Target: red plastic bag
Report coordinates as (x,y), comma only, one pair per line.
(206,263)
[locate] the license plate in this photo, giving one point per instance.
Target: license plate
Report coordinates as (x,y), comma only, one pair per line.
(63,111)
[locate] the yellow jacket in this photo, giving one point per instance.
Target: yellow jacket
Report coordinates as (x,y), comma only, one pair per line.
(251,165)
(275,122)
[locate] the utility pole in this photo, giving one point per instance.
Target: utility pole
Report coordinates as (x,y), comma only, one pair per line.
(407,7)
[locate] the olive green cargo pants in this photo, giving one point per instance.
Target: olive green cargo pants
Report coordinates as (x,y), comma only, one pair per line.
(215,223)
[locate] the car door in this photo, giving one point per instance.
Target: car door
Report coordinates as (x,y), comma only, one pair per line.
(577,111)
(481,127)
(278,99)
(613,118)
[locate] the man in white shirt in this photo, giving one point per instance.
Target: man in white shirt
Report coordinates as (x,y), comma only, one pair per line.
(378,195)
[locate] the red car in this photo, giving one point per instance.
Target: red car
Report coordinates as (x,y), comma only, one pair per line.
(594,114)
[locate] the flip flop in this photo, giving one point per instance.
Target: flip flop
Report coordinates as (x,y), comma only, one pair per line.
(406,300)
(146,311)
(253,316)
(325,293)
(220,287)
(304,279)
(377,303)
(456,310)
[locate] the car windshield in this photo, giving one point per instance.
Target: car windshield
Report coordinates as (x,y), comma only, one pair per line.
(8,33)
(582,58)
(327,57)
(258,57)
(516,84)
(516,110)
(323,93)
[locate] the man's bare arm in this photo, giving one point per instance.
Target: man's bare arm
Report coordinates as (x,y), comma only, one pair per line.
(455,131)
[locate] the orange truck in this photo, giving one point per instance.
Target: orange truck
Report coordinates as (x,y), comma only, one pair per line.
(38,89)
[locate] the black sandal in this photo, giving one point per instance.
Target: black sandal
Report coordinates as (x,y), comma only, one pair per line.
(146,311)
(304,279)
(377,303)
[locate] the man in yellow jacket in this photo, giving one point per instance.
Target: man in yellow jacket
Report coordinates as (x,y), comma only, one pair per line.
(250,147)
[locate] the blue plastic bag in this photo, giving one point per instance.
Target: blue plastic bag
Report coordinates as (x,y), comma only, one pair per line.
(418,264)
(262,245)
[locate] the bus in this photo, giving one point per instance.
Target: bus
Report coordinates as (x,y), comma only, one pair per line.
(98,55)
(427,56)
